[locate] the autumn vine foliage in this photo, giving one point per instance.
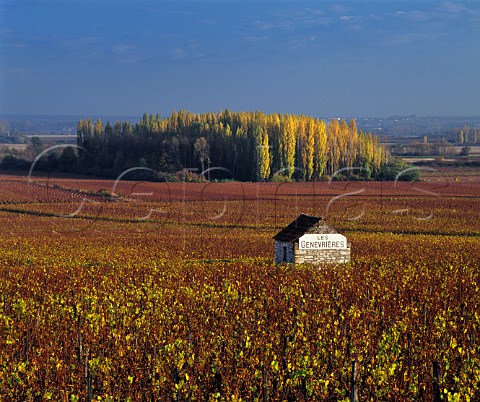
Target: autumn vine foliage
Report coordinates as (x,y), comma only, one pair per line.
(168,291)
(249,146)
(115,326)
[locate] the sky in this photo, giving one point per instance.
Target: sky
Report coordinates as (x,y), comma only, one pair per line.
(320,58)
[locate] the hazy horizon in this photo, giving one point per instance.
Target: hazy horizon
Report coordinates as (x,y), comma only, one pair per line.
(164,115)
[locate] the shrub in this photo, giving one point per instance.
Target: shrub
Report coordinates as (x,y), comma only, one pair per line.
(278,178)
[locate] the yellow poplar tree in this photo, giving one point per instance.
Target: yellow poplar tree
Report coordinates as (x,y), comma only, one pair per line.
(343,132)
(274,130)
(352,143)
(264,157)
(333,146)
(320,148)
(300,149)
(287,144)
(98,128)
(309,148)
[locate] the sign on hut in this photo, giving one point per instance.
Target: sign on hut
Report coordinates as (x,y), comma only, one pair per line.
(309,239)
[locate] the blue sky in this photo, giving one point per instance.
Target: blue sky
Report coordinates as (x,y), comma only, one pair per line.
(321,58)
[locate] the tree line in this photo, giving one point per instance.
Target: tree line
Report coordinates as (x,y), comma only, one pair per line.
(467,135)
(247,146)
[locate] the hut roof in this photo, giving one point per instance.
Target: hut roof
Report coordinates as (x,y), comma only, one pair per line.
(297,228)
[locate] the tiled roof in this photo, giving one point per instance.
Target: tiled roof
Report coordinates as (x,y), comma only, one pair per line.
(297,228)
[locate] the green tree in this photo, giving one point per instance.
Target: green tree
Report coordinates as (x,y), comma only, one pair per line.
(465,151)
(126,128)
(36,144)
(397,169)
(88,128)
(68,159)
(118,162)
(108,130)
(34,148)
(117,129)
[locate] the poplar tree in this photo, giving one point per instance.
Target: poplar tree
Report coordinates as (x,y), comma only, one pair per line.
(80,132)
(352,143)
(117,128)
(287,146)
(309,148)
(274,129)
(320,148)
(126,128)
(144,124)
(333,146)
(98,128)
(88,128)
(251,145)
(301,150)
(343,134)
(263,152)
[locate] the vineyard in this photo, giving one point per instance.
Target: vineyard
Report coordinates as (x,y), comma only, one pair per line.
(168,291)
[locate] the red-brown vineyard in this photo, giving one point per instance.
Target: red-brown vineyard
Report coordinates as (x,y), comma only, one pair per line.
(168,291)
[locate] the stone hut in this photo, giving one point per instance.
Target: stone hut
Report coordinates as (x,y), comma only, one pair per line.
(309,239)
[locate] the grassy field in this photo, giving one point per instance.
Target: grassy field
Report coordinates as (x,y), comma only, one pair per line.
(168,291)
